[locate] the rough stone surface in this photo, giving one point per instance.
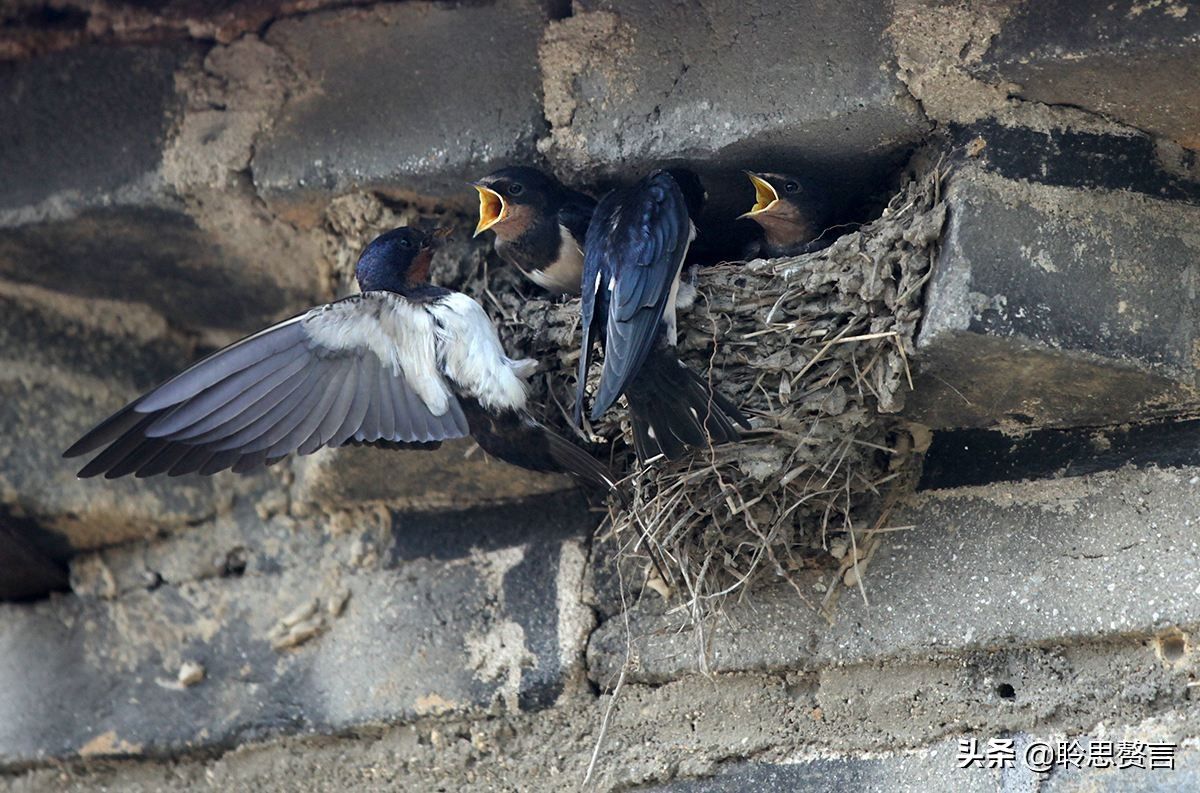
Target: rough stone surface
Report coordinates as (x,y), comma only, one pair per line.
(653,737)
(404,98)
(457,475)
(292,627)
(85,125)
(94,201)
(1057,306)
(37,483)
(726,87)
(1106,555)
(1133,61)
(66,364)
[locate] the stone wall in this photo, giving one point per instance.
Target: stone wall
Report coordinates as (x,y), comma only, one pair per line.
(173,175)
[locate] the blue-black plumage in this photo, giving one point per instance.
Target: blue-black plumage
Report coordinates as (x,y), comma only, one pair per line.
(402,363)
(636,245)
(539,225)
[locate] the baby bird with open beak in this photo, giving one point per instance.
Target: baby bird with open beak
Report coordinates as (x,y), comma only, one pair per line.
(792,211)
(539,225)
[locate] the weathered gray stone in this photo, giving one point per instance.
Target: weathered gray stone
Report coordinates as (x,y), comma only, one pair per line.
(1056,305)
(1136,62)
(90,206)
(156,257)
(41,414)
(455,476)
(66,364)
(294,630)
(727,86)
(406,98)
(107,340)
(1007,565)
(87,124)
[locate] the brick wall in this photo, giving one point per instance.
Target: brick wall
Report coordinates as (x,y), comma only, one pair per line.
(172,177)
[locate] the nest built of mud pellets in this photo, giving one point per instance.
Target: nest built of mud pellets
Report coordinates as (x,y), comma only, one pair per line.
(815,349)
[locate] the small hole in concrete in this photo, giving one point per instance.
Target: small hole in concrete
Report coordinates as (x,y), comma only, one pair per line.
(1172,647)
(235,563)
(1006,691)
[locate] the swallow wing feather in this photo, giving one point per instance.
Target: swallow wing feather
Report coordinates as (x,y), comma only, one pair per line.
(365,368)
(635,248)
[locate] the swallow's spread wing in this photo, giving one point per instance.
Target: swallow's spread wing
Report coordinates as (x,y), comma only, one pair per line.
(636,244)
(366,368)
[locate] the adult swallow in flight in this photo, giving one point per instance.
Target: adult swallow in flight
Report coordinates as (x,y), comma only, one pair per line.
(539,225)
(636,245)
(792,211)
(403,362)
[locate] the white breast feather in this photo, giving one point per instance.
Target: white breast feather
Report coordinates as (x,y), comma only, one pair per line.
(399,333)
(471,355)
(565,273)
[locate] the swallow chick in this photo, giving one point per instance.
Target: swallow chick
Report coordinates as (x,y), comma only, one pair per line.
(402,362)
(539,225)
(792,211)
(636,245)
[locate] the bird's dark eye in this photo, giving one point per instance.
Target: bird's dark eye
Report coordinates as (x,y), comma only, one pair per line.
(791,187)
(405,242)
(516,188)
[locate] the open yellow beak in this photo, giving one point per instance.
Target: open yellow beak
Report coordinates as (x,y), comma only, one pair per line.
(764,195)
(492,209)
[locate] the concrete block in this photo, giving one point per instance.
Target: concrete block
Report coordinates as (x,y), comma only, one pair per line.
(1064,300)
(66,364)
(97,203)
(1008,565)
(407,98)
(157,257)
(86,124)
(1130,61)
(43,413)
(305,632)
(727,86)
(457,475)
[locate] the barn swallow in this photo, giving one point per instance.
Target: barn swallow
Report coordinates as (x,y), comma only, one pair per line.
(404,362)
(539,225)
(792,211)
(636,245)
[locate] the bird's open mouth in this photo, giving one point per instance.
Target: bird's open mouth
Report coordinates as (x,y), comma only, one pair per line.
(492,209)
(764,195)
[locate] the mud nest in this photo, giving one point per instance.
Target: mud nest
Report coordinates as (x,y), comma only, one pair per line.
(815,349)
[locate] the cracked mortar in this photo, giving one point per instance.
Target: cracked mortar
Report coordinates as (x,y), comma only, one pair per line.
(231,102)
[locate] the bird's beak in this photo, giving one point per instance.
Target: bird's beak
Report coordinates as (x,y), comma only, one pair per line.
(764,195)
(492,209)
(438,236)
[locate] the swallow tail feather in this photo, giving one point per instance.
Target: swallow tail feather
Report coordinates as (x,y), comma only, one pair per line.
(671,408)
